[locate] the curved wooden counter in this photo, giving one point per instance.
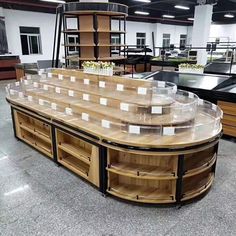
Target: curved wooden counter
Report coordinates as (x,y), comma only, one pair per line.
(146,168)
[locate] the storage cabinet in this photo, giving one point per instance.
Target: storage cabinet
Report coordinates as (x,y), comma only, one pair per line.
(78,155)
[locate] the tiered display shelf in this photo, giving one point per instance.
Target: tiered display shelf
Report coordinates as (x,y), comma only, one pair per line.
(93,31)
(143,141)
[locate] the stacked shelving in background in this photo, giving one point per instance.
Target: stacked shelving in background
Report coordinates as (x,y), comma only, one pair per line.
(90,39)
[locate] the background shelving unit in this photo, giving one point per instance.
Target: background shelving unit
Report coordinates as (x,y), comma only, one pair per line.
(93,32)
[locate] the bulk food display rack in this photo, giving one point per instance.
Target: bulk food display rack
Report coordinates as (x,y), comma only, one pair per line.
(93,32)
(143,141)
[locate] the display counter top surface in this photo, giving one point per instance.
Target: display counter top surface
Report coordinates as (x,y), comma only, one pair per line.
(198,81)
(144,114)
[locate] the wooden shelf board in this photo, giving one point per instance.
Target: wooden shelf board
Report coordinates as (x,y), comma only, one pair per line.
(72,164)
(93,45)
(142,171)
(111,31)
(40,146)
(76,152)
(141,193)
(35,130)
(78,31)
(79,45)
(111,58)
(111,45)
(77,58)
(105,13)
(194,190)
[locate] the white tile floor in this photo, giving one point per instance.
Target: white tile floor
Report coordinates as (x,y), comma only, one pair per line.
(39,198)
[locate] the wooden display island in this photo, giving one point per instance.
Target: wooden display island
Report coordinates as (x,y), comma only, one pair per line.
(137,140)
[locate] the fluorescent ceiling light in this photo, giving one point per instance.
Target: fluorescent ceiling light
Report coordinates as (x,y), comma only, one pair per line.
(142,0)
(229,15)
(190,18)
(182,7)
(142,13)
(168,16)
(54,1)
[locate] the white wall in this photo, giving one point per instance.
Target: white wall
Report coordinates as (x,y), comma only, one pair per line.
(224,31)
(174,30)
(158,29)
(14,19)
(134,27)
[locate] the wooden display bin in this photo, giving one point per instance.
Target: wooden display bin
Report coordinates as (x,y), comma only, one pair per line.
(79,156)
(142,177)
(141,190)
(34,132)
(196,185)
(142,166)
(196,163)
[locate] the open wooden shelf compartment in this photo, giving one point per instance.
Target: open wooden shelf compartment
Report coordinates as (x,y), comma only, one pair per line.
(34,132)
(141,166)
(197,185)
(196,163)
(141,190)
(78,155)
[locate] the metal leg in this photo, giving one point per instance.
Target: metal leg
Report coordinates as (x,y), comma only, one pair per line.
(179,183)
(216,152)
(54,42)
(58,40)
(103,171)
(54,144)
(13,122)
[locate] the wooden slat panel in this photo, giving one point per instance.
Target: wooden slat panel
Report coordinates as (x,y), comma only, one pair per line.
(229,120)
(228,107)
(86,22)
(8,63)
(7,74)
(104,23)
(229,130)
